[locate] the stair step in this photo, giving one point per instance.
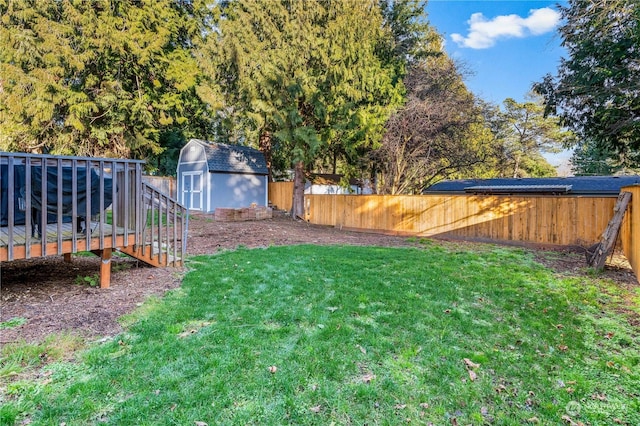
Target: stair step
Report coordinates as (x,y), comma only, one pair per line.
(152,257)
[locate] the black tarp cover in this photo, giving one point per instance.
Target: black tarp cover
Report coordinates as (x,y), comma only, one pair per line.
(19,185)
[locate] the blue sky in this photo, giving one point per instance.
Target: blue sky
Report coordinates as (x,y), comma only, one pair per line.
(508,45)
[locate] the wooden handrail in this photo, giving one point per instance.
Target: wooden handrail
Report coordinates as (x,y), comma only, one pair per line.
(164,230)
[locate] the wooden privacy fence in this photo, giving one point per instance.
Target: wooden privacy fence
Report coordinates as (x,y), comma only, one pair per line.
(540,220)
(281,195)
(165,184)
(630,231)
(536,220)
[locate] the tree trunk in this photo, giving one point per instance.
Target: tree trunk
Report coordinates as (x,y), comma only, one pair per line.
(516,168)
(264,144)
(298,191)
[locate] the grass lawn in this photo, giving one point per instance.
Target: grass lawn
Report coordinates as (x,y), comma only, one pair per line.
(348,335)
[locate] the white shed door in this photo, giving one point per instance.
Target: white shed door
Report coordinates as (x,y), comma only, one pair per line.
(192,190)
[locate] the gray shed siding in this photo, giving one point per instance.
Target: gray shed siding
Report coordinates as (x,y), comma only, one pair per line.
(232,190)
(200,188)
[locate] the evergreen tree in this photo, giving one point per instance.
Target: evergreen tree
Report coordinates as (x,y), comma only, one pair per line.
(305,77)
(528,134)
(596,90)
(99,78)
(590,159)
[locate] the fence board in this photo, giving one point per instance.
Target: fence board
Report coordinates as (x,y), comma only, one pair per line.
(281,195)
(630,231)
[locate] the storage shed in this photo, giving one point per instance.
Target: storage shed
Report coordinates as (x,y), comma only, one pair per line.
(212,175)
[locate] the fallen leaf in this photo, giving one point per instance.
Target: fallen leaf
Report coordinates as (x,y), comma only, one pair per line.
(273,369)
(367,378)
(559,326)
(470,363)
(472,375)
(534,420)
(609,335)
(447,311)
(363,350)
(316,409)
(424,405)
(454,421)
(400,406)
(173,407)
(570,421)
(599,396)
(197,423)
(570,390)
(563,348)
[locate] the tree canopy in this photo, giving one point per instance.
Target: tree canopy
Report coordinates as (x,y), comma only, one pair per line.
(523,134)
(596,90)
(99,78)
(312,77)
(357,87)
(434,134)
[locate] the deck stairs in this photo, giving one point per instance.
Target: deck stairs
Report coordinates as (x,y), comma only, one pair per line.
(162,240)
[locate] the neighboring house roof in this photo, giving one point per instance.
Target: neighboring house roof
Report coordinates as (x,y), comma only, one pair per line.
(577,185)
(233,158)
(329,179)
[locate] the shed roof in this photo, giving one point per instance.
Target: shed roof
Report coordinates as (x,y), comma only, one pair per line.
(575,185)
(233,158)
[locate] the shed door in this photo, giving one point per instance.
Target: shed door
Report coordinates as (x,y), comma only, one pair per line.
(192,190)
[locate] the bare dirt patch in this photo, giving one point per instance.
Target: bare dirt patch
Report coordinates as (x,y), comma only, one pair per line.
(54,296)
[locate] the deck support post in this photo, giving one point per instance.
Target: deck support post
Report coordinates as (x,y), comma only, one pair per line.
(67,257)
(105,267)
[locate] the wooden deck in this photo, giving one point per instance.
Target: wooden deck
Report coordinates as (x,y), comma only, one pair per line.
(23,246)
(126,214)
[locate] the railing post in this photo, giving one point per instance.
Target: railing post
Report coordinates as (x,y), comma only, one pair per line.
(10,205)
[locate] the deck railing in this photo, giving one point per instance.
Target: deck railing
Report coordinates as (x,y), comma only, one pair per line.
(52,205)
(164,227)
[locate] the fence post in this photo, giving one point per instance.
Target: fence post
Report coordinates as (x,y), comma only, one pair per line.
(630,233)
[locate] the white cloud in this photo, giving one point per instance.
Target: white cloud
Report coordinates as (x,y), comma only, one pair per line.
(484,33)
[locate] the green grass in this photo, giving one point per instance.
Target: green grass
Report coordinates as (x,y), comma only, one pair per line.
(12,323)
(357,335)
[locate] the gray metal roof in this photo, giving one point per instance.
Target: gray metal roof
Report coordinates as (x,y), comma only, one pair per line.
(580,185)
(225,158)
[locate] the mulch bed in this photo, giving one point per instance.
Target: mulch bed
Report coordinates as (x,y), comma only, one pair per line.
(54,297)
